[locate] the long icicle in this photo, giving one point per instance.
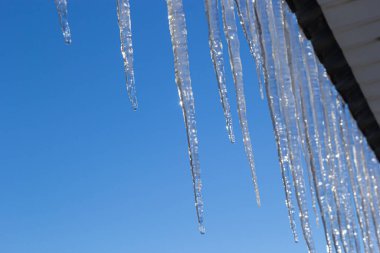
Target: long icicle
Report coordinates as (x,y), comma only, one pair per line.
(231,34)
(313,127)
(294,58)
(350,167)
(312,99)
(316,124)
(284,78)
(332,167)
(372,182)
(340,174)
(178,32)
(264,41)
(369,189)
(340,179)
(306,122)
(216,50)
(307,73)
(344,179)
(124,20)
(62,13)
(246,16)
(364,194)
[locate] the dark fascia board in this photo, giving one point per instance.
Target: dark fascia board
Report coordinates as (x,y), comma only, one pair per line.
(315,27)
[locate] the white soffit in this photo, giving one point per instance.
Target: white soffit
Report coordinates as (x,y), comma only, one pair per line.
(356,27)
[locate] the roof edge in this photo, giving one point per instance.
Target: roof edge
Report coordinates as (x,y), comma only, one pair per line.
(316,29)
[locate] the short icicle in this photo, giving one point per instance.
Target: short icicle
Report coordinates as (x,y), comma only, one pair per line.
(124,20)
(231,34)
(62,13)
(178,32)
(216,50)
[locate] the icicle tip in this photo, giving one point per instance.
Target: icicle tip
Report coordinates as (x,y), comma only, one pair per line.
(202,229)
(258,199)
(232,137)
(68,40)
(135,106)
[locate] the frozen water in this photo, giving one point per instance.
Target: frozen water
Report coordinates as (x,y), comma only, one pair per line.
(62,13)
(325,161)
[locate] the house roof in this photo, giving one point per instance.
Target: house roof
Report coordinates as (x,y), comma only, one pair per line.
(346,38)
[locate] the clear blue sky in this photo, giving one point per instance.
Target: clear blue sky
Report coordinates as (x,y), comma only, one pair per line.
(81,172)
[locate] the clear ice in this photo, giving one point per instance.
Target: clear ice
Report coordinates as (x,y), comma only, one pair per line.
(291,115)
(325,162)
(247,17)
(216,50)
(276,114)
(318,141)
(124,20)
(230,30)
(178,32)
(62,13)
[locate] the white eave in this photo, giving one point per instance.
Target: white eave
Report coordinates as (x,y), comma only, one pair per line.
(356,27)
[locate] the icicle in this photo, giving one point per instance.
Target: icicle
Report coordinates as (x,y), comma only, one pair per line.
(216,50)
(276,114)
(124,20)
(313,112)
(351,166)
(313,127)
(284,80)
(308,123)
(345,207)
(371,167)
(317,110)
(348,201)
(369,192)
(248,22)
(178,32)
(312,109)
(369,215)
(295,59)
(230,30)
(62,12)
(333,168)
(361,196)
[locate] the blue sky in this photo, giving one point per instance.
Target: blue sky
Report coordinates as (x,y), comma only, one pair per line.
(81,172)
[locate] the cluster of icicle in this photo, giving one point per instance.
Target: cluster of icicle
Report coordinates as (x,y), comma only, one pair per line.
(325,161)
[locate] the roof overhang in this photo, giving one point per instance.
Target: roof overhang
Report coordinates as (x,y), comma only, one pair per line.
(346,38)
